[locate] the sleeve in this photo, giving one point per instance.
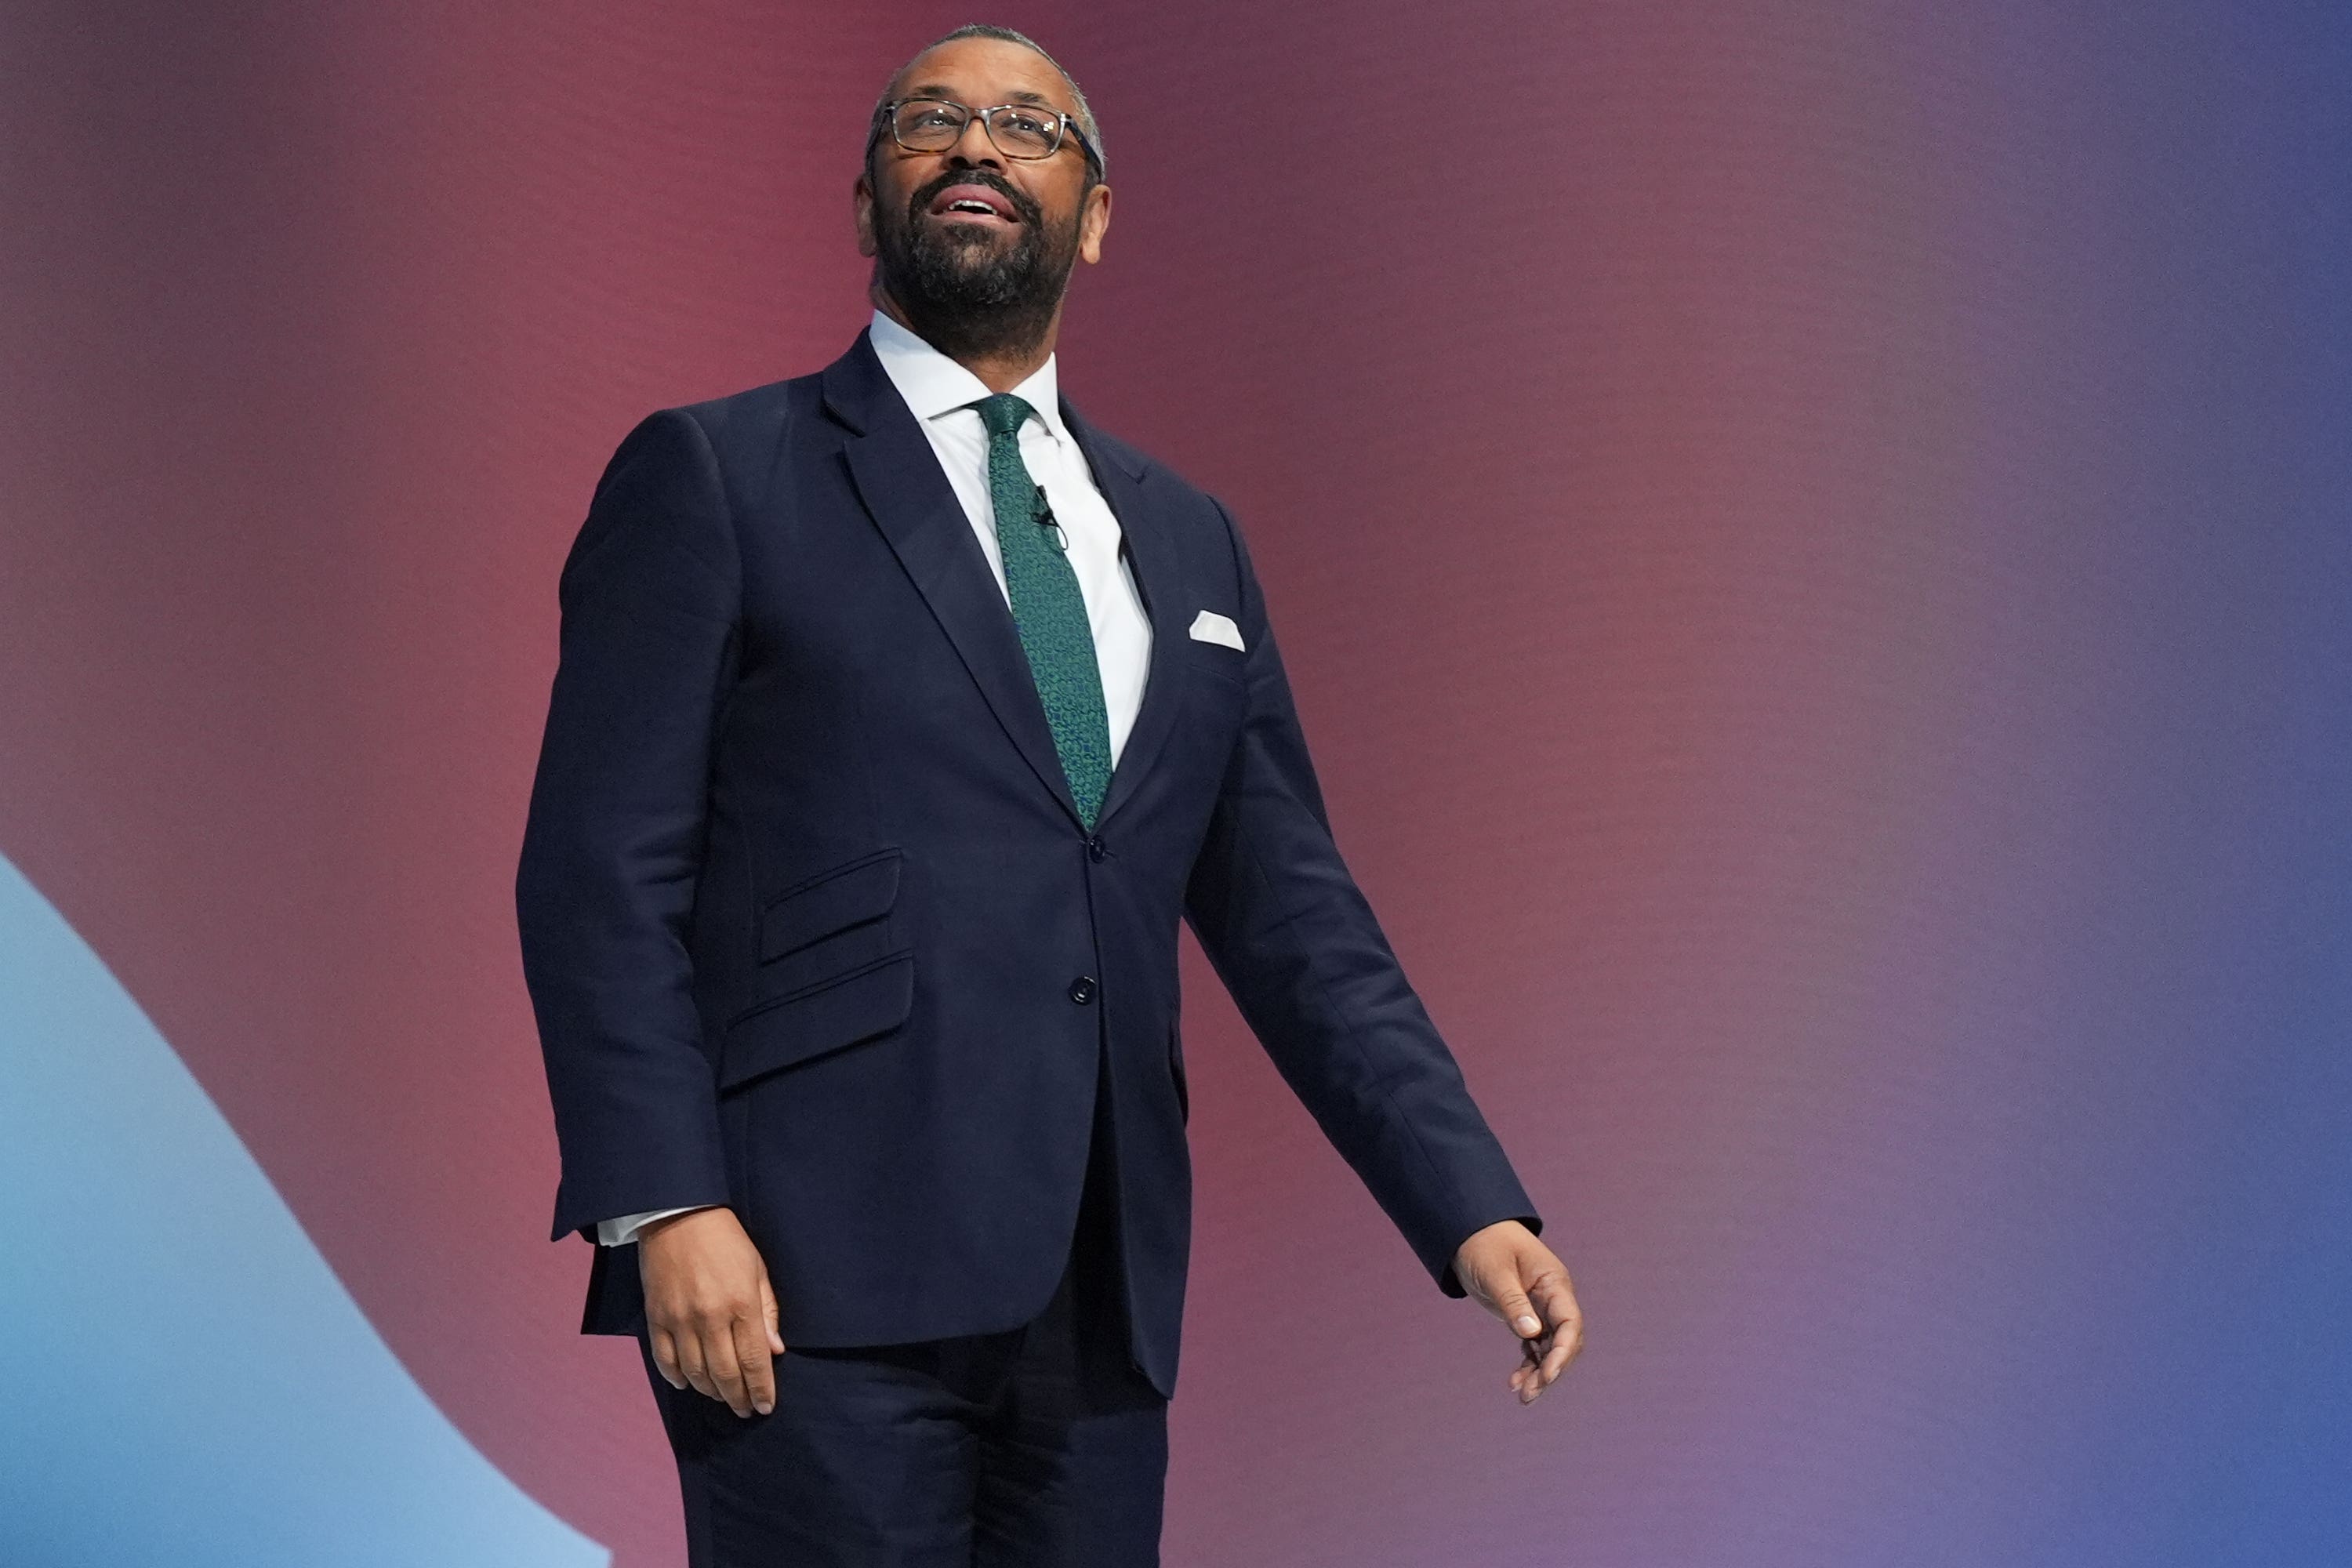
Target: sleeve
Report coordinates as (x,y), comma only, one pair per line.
(623,1230)
(1296,942)
(612,842)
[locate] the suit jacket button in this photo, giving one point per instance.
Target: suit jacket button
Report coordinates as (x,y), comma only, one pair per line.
(1095,850)
(1082,989)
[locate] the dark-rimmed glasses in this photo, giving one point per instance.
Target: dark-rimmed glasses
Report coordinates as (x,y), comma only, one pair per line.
(1024,130)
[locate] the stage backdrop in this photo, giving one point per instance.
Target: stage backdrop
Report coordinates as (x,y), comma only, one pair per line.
(1812,541)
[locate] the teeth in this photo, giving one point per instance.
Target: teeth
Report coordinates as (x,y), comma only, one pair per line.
(966,203)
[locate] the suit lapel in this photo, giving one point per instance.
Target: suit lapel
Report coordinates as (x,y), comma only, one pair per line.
(1152,556)
(898,478)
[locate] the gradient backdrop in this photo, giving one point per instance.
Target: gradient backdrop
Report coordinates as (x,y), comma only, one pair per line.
(1812,541)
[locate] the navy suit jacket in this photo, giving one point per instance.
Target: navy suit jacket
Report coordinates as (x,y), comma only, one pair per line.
(812,928)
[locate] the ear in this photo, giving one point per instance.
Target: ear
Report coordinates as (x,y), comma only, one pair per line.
(1093,218)
(861,210)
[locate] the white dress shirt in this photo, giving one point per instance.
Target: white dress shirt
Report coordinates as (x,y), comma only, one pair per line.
(940,393)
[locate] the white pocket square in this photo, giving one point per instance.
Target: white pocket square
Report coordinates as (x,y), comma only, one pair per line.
(1211,626)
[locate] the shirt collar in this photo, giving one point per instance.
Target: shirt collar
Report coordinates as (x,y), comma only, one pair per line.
(932,384)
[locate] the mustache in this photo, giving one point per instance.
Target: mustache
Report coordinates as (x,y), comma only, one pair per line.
(1031,213)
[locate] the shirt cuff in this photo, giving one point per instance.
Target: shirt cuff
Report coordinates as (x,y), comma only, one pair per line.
(622,1231)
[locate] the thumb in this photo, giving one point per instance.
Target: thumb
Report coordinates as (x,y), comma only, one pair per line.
(768,1311)
(1511,1305)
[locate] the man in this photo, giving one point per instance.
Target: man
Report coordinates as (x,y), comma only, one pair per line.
(901,716)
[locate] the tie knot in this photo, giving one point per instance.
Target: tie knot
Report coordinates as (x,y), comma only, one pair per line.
(1003,413)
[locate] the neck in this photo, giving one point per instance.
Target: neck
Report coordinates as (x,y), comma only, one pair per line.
(1000,367)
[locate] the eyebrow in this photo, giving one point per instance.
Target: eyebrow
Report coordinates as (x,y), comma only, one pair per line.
(940,90)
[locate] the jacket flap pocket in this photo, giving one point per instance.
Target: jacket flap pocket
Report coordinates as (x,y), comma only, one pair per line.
(828,902)
(866,1002)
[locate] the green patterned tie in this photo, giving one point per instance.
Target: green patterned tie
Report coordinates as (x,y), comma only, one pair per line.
(1048,609)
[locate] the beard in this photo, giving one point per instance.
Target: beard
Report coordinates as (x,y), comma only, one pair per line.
(966,290)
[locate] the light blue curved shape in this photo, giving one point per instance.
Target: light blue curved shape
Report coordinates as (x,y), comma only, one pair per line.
(183,1379)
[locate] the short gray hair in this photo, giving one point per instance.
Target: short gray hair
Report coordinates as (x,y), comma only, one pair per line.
(1080,111)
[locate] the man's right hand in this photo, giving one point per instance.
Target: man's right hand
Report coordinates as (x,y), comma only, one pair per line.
(709,1312)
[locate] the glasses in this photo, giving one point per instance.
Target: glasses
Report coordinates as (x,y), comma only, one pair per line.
(1016,129)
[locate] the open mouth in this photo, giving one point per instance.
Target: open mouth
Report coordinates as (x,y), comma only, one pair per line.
(975,204)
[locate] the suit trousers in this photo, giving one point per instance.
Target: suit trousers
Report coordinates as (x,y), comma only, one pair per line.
(1038,1447)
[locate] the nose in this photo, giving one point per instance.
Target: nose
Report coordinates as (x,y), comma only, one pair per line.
(975,134)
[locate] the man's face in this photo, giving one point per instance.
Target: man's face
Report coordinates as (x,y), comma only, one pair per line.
(973,246)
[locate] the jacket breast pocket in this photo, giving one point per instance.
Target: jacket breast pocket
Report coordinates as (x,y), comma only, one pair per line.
(832,970)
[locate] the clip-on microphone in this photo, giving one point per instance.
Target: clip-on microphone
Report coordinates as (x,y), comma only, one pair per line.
(1046,520)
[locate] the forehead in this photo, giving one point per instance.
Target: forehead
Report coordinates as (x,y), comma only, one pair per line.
(981,72)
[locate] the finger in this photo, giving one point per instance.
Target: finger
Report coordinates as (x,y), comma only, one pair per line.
(1548,1355)
(726,1374)
(1532,1381)
(1553,1296)
(664,1351)
(1534,1377)
(1530,1362)
(1557,1300)
(768,1310)
(1566,1342)
(691,1364)
(759,1372)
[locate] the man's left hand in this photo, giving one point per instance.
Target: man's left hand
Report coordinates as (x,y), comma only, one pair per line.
(1518,1279)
